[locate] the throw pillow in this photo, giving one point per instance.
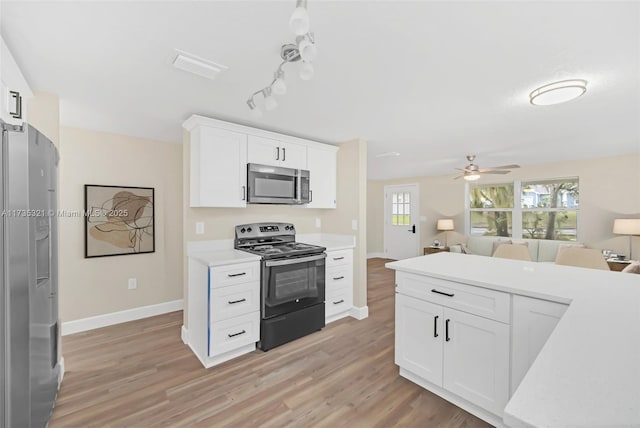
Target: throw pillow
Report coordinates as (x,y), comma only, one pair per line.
(634,267)
(465,249)
(499,242)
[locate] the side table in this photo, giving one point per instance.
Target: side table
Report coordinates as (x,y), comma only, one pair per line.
(433,250)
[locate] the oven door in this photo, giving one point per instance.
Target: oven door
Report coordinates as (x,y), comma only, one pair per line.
(272,184)
(292,284)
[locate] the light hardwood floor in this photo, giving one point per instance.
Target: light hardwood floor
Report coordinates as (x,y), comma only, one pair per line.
(140,374)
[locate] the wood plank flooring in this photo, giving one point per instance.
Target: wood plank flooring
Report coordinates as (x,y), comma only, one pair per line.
(140,374)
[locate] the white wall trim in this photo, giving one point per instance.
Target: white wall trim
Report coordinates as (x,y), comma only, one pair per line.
(61,373)
(376,255)
(84,324)
(359,313)
(184,335)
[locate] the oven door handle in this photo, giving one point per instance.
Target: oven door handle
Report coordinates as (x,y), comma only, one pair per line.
(270,263)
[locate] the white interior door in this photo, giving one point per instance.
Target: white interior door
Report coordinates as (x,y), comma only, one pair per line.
(401,221)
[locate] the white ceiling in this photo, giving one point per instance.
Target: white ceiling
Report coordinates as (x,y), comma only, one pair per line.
(432,80)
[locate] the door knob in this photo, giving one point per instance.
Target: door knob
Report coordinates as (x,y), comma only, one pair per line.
(413,229)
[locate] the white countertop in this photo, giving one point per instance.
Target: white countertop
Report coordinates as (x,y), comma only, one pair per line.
(588,372)
(223,257)
(220,252)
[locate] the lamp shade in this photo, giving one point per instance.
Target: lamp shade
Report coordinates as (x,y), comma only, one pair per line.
(445,224)
(626,226)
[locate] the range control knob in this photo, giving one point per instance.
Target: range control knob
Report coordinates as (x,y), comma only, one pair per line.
(291,227)
(243,230)
(249,230)
(286,228)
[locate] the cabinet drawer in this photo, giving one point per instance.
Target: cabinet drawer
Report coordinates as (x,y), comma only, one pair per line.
(338,278)
(474,300)
(234,300)
(233,333)
(339,258)
(221,276)
(338,302)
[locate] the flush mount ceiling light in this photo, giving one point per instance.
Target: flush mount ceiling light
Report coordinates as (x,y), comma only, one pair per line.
(558,92)
(387,154)
(304,51)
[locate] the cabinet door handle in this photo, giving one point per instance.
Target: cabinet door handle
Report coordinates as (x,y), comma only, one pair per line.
(244,193)
(435,326)
(233,302)
(231,275)
(338,302)
(338,277)
(338,258)
(277,153)
(443,293)
(284,154)
(446,330)
(236,334)
(310,196)
(18,113)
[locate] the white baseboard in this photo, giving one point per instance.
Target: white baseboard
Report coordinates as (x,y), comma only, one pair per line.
(376,255)
(359,313)
(184,335)
(84,324)
(61,373)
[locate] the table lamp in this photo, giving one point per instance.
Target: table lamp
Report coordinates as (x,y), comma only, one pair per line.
(445,224)
(627,226)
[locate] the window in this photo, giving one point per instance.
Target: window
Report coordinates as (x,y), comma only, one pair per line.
(548,209)
(491,210)
(401,208)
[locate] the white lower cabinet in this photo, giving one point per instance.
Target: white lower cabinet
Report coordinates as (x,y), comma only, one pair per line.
(338,284)
(533,322)
(459,353)
(223,310)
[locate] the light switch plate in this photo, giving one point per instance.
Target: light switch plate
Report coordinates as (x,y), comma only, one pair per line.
(200,228)
(423,218)
(354,224)
(133,283)
(318,223)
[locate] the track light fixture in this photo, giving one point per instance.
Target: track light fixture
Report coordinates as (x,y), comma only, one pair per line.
(304,51)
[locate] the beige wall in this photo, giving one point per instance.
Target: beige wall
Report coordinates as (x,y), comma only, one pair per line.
(44,114)
(609,189)
(352,205)
(96,286)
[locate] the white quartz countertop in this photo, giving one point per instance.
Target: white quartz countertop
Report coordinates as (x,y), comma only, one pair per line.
(223,257)
(588,372)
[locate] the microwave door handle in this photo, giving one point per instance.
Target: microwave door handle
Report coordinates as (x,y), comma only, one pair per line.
(284,154)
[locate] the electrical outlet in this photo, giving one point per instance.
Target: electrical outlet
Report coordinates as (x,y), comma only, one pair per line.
(200,228)
(133,283)
(318,223)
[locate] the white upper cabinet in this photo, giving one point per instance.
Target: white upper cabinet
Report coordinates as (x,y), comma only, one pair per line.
(218,168)
(267,151)
(321,164)
(220,152)
(14,90)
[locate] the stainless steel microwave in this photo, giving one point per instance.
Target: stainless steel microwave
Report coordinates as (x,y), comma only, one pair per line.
(268,184)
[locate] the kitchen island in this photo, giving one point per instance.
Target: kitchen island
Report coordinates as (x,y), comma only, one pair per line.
(586,370)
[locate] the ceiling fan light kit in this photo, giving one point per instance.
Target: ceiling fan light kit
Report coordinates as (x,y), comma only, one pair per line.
(304,51)
(558,92)
(472,172)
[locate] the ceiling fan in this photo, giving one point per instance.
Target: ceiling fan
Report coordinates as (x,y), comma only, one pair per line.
(472,171)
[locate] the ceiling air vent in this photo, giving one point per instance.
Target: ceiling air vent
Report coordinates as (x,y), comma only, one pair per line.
(196,65)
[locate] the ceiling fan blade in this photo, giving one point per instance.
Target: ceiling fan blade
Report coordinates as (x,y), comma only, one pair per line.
(505,167)
(458,177)
(497,171)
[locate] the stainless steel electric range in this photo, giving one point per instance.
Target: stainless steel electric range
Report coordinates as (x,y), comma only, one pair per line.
(292,281)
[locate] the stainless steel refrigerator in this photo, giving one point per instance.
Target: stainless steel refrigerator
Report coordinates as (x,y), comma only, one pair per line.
(29,272)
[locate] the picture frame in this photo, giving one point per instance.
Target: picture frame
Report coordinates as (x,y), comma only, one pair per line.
(119,220)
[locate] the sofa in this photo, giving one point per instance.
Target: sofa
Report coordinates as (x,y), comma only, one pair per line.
(540,250)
